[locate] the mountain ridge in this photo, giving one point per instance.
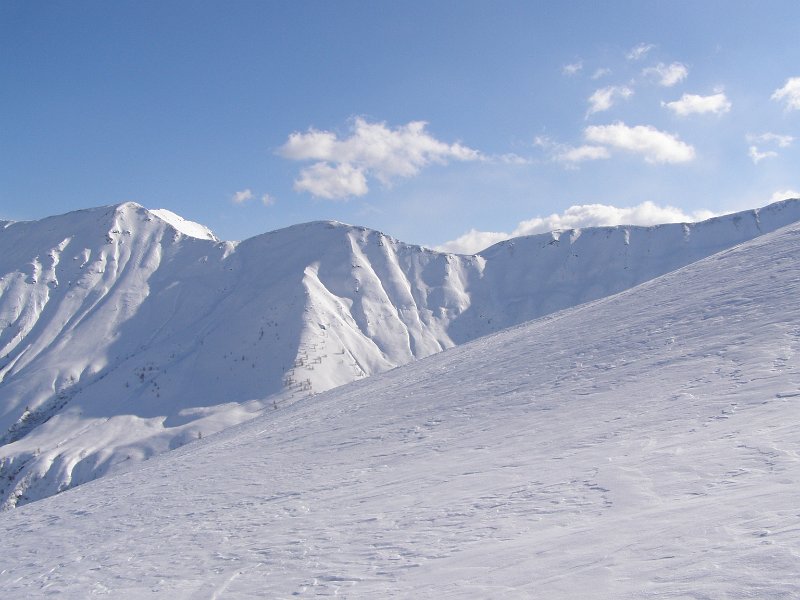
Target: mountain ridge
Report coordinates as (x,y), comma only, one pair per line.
(122,337)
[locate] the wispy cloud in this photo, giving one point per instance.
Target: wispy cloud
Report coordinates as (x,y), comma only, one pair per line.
(372,150)
(604,98)
(267,200)
(691,104)
(667,75)
(756,156)
(654,145)
(581,153)
(576,217)
(602,72)
(782,141)
(769,139)
(572,68)
(570,156)
(639,52)
(242,197)
(510,158)
(789,93)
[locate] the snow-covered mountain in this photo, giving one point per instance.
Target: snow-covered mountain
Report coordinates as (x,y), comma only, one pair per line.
(641,446)
(126,332)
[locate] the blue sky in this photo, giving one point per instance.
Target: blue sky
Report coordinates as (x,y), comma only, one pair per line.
(423,119)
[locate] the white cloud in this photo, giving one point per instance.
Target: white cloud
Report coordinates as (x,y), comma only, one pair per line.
(242,197)
(582,153)
(332,182)
(668,75)
(576,217)
(570,155)
(784,195)
(245,196)
(473,241)
(790,93)
(693,104)
(782,141)
(656,146)
(372,150)
(639,52)
(572,68)
(604,98)
(757,156)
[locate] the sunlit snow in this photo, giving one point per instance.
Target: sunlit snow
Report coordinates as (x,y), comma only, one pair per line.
(122,337)
(641,446)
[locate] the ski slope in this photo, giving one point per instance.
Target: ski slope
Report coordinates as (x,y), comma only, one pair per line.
(125,333)
(641,446)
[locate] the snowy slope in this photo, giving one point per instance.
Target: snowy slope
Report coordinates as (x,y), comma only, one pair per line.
(124,333)
(641,446)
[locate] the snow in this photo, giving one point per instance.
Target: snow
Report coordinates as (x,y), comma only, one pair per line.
(640,446)
(122,337)
(185,226)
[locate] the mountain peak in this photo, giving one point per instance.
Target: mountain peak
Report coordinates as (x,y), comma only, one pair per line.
(129,205)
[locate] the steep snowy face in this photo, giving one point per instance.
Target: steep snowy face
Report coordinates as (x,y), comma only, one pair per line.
(82,297)
(69,287)
(122,335)
(641,446)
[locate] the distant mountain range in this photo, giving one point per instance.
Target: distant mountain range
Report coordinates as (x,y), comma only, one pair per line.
(125,332)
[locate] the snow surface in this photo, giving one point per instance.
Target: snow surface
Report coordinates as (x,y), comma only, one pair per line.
(185,226)
(641,446)
(122,337)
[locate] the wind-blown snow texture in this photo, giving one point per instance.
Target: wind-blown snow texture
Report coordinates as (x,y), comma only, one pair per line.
(641,446)
(122,337)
